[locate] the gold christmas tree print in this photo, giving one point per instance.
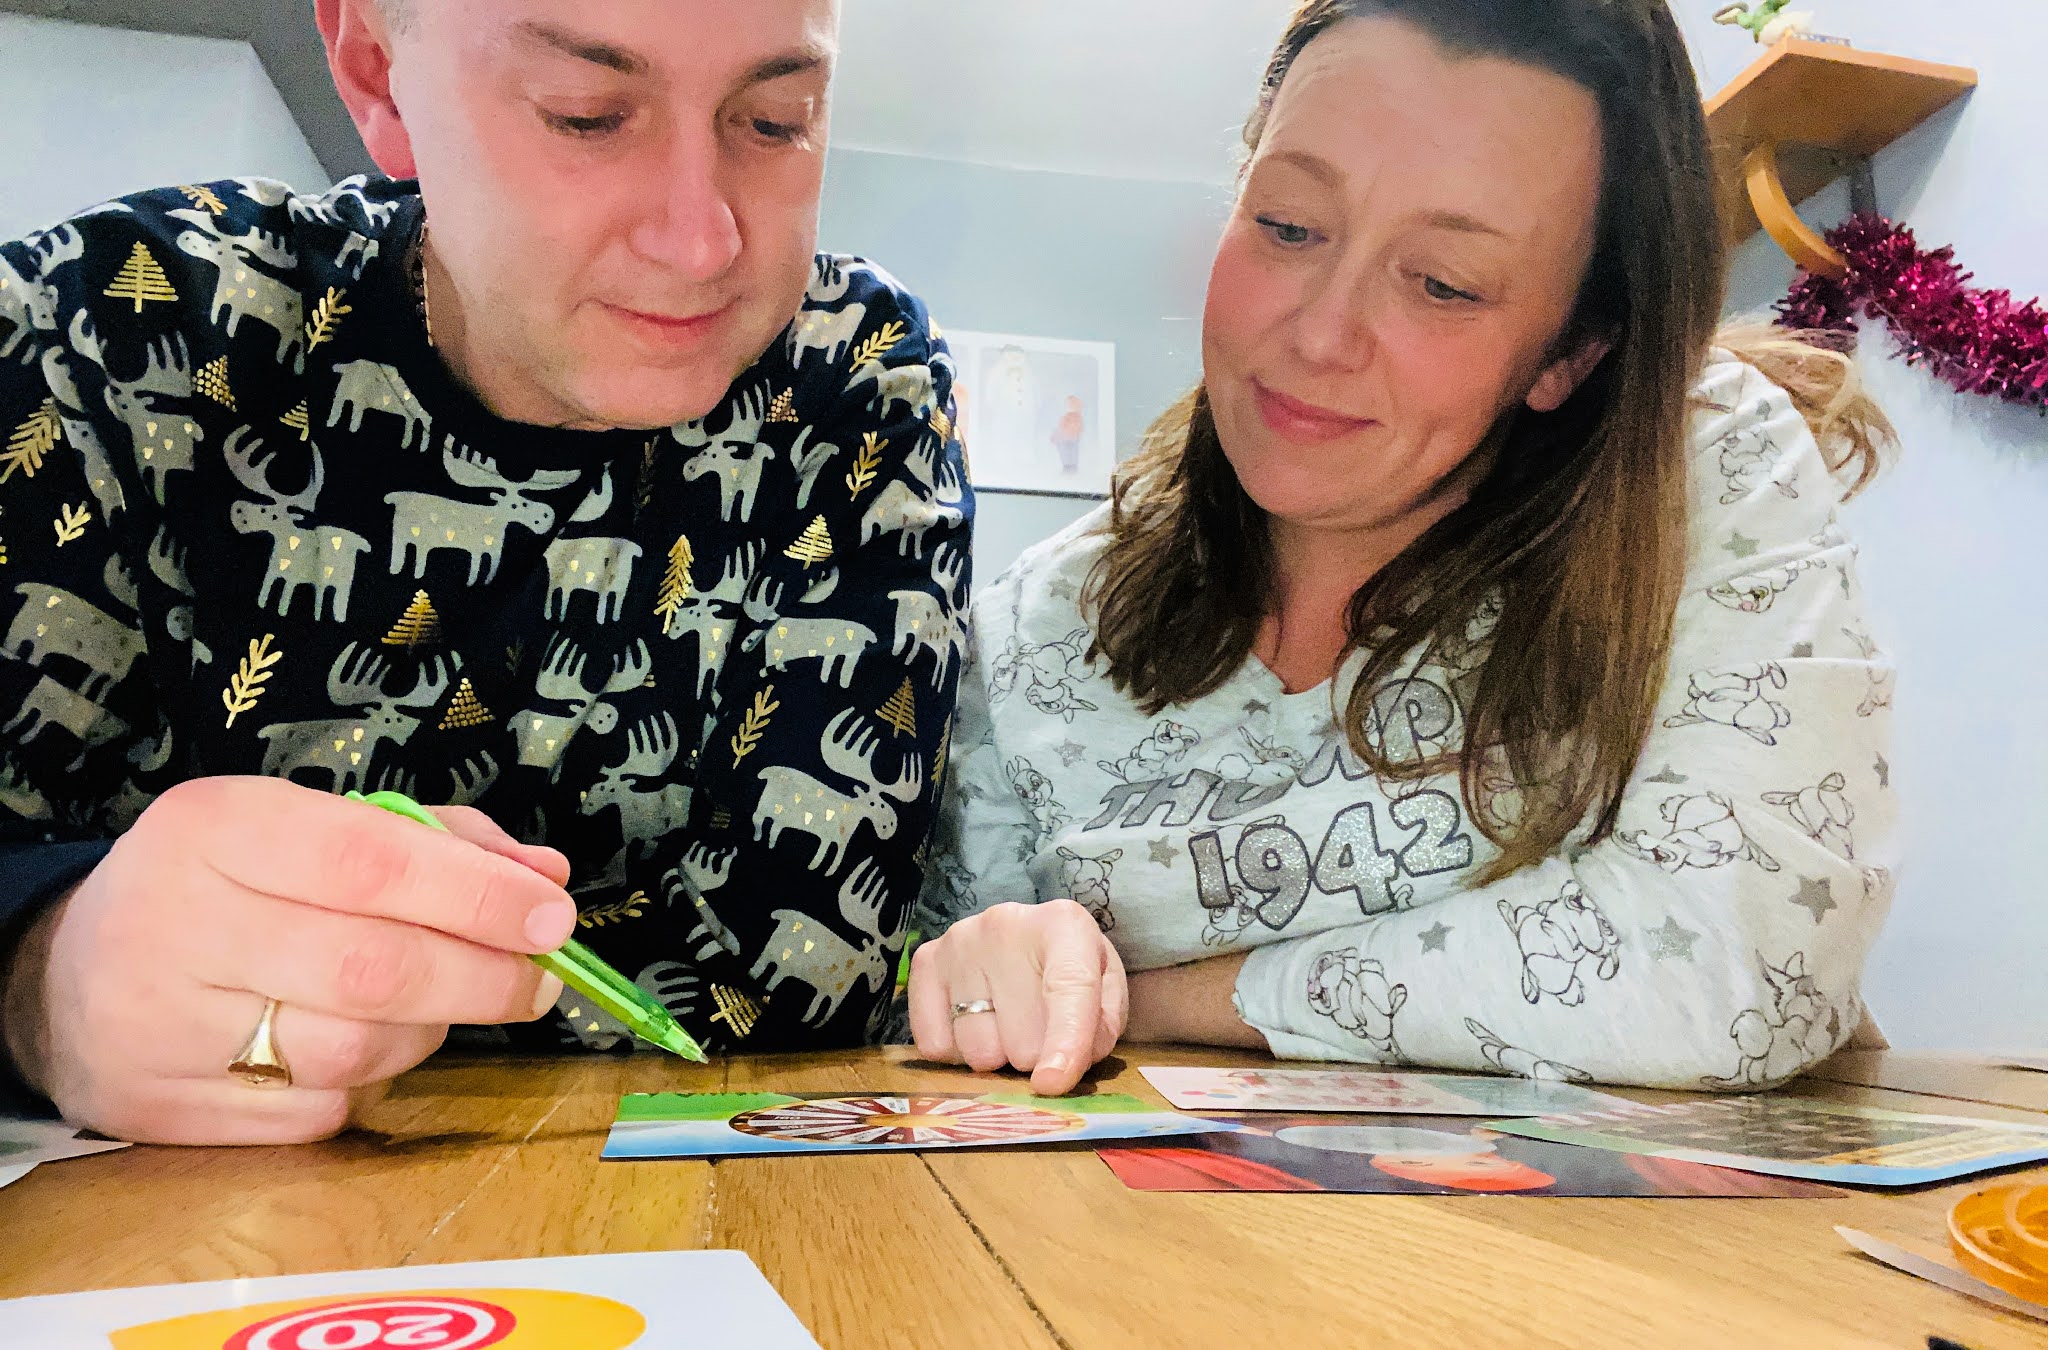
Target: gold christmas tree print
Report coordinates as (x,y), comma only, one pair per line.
(783,409)
(514,654)
(326,318)
(872,350)
(597,916)
(813,546)
(675,585)
(938,334)
(735,1009)
(205,196)
(141,279)
(300,419)
(754,725)
(212,381)
(942,426)
(419,626)
(31,441)
(466,709)
(71,523)
(247,686)
(900,711)
(866,463)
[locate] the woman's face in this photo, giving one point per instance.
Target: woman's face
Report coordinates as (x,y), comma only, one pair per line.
(1405,253)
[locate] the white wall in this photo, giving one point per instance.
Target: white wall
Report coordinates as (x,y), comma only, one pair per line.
(1955,538)
(91,113)
(1047,254)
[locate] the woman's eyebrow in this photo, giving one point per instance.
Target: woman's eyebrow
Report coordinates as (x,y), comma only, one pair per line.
(1460,223)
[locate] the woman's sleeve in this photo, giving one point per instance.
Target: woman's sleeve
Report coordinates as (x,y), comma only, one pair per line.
(1718,938)
(985,836)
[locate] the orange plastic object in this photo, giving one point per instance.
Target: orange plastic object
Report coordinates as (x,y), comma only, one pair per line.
(2001,1237)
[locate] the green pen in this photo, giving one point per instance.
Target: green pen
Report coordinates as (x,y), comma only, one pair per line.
(575,964)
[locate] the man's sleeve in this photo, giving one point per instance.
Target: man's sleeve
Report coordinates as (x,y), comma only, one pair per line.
(70,645)
(826,764)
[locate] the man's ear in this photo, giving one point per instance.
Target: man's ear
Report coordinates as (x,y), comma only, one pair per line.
(359,53)
(1563,376)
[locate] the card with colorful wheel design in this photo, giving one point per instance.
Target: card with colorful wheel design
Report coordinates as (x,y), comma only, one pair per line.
(753,1124)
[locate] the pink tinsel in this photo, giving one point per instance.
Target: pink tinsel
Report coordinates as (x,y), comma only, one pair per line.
(1982,342)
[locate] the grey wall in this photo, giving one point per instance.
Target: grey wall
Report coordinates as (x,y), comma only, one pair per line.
(1044,254)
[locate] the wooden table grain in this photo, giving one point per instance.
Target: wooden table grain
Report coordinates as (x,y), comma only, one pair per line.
(473,1159)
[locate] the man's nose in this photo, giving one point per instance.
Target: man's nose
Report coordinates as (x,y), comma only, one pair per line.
(690,225)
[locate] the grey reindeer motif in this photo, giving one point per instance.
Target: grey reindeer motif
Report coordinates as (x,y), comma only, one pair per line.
(810,459)
(167,564)
(901,510)
(793,801)
(828,332)
(39,302)
(802,948)
(51,704)
(243,291)
(345,748)
(645,814)
(54,622)
(424,524)
(602,567)
(924,622)
(301,555)
(708,616)
(372,386)
(910,386)
(837,644)
(542,736)
(165,440)
(736,455)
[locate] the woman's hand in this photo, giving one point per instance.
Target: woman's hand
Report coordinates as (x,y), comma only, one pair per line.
(1055,986)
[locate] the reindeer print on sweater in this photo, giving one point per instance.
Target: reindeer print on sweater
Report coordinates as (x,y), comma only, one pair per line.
(250,524)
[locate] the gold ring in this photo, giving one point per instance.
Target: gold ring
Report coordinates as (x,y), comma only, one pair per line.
(972,1008)
(261,1064)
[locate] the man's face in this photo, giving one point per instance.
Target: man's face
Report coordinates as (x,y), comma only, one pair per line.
(621,195)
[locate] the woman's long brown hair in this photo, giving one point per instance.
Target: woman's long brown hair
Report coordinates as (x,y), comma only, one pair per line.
(1577,535)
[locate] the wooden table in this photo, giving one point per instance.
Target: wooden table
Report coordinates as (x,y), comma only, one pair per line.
(486,1159)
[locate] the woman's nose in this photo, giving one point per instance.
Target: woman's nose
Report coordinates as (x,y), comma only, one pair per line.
(1333,327)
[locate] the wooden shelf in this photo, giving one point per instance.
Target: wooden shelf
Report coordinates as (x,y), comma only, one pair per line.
(1826,106)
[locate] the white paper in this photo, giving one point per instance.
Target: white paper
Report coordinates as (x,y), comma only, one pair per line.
(10,1175)
(1369,1092)
(1898,1258)
(687,1298)
(24,1143)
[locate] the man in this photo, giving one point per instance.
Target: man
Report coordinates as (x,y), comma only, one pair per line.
(564,486)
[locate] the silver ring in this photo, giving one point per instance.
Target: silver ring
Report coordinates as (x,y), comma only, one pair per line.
(972,1008)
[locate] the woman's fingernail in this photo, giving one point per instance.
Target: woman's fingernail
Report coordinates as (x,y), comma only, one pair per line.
(1055,1064)
(549,925)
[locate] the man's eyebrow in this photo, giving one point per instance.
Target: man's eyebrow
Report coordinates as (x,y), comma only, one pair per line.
(802,61)
(582,48)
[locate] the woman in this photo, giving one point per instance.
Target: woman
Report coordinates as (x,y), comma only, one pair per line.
(1470,672)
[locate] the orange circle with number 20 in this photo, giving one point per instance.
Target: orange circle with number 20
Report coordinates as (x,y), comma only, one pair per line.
(427,1319)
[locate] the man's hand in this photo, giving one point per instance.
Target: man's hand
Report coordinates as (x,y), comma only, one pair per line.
(125,1004)
(1056,983)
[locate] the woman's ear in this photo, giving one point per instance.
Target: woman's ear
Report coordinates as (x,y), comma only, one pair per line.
(1563,376)
(358,39)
